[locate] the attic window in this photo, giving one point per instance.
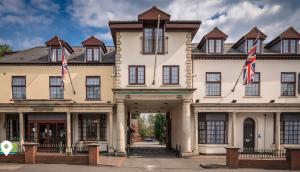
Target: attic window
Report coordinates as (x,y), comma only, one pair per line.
(289,46)
(56,54)
(250,44)
(92,54)
(215,46)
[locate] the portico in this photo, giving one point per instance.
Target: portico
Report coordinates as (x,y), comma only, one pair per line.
(176,102)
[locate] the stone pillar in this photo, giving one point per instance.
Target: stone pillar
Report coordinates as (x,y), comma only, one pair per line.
(21,126)
(69,133)
(232,157)
(277,131)
(75,128)
(186,139)
(110,132)
(30,152)
(93,154)
(233,129)
(120,149)
(196,148)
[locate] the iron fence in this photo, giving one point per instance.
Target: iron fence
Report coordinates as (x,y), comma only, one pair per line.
(59,148)
(262,153)
(80,148)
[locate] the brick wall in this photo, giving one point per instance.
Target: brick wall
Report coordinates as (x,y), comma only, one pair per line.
(264,164)
(62,159)
(14,158)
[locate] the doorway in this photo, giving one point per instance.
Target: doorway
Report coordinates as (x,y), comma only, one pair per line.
(249,134)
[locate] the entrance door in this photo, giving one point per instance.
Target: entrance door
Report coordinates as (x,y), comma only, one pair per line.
(249,134)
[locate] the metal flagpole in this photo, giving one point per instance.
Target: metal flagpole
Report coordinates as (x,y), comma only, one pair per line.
(68,68)
(232,90)
(156,49)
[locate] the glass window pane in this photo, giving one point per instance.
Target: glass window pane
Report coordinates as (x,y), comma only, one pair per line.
(218,46)
(89,55)
(293,46)
(148,40)
(285,46)
(211,46)
(53,56)
(250,44)
(132,75)
(141,75)
(96,54)
(59,54)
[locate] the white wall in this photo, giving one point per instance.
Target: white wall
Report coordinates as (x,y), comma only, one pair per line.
(131,55)
(270,73)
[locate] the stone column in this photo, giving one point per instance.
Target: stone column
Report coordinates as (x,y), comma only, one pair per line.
(120,128)
(186,147)
(277,131)
(196,149)
(21,126)
(110,132)
(233,129)
(75,128)
(68,133)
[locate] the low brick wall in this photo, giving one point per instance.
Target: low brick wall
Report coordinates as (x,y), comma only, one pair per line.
(13,158)
(62,159)
(280,164)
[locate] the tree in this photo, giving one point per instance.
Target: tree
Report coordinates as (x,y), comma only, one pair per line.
(159,127)
(4,48)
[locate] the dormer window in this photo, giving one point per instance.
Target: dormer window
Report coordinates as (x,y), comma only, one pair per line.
(93,54)
(250,44)
(215,46)
(56,54)
(289,46)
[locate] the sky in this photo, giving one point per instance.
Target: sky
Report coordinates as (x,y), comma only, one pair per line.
(28,23)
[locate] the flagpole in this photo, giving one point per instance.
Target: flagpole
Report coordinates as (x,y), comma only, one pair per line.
(232,90)
(68,68)
(156,49)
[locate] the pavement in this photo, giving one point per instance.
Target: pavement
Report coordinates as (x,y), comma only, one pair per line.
(144,158)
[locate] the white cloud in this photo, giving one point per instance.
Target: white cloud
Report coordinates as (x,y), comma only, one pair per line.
(30,42)
(106,36)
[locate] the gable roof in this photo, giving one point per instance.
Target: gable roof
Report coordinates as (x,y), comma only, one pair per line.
(55,42)
(252,34)
(93,41)
(152,14)
(216,33)
(289,33)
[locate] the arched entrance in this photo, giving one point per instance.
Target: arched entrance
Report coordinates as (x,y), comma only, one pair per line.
(249,134)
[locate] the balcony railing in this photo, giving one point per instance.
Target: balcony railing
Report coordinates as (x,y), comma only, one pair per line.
(152,43)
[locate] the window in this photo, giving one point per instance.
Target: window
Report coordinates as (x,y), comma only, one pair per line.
(56,89)
(136,75)
(92,54)
(215,45)
(288,84)
(93,87)
(92,127)
(19,87)
(149,42)
(289,46)
(250,44)
(170,74)
(56,55)
(253,89)
(212,128)
(213,84)
(12,127)
(290,128)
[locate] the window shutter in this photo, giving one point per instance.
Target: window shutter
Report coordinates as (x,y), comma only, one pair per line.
(299,83)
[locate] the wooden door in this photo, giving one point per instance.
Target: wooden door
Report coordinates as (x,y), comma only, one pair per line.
(249,134)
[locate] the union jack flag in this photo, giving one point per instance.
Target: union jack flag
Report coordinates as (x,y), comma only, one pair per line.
(249,66)
(64,65)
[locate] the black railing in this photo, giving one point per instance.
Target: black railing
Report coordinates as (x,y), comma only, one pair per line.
(262,153)
(80,148)
(55,148)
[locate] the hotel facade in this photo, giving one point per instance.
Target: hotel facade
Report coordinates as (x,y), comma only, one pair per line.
(192,83)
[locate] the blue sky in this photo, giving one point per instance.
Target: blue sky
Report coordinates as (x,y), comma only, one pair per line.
(29,23)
